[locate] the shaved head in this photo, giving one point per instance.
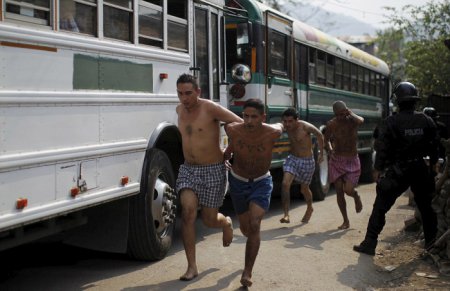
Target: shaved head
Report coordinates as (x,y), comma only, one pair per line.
(338,106)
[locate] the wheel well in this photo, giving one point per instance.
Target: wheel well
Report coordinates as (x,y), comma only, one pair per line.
(167,138)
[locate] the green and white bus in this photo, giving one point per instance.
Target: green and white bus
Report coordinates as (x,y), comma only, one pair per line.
(287,63)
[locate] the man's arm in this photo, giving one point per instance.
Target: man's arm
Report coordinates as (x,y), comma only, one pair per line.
(222,114)
(359,120)
(319,136)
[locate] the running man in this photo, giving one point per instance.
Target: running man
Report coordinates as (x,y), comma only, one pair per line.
(344,168)
(202,178)
(250,181)
(300,164)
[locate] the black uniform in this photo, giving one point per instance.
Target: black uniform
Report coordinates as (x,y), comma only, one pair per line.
(403,142)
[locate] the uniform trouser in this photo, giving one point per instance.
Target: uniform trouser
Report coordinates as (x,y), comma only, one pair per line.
(415,175)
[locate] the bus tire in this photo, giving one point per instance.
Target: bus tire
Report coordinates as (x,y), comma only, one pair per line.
(153,210)
(320,185)
(366,161)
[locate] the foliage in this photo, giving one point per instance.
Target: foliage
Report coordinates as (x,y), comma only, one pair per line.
(417,39)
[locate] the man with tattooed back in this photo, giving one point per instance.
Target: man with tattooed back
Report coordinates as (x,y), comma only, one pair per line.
(249,179)
(202,178)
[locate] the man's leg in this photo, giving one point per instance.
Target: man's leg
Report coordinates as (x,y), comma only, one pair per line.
(307,194)
(340,195)
(383,203)
(189,204)
(211,217)
(349,189)
(285,195)
(250,226)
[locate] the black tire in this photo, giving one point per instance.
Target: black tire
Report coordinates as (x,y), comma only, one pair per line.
(320,186)
(153,210)
(366,161)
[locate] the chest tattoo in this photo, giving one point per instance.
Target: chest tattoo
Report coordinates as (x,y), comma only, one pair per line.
(189,129)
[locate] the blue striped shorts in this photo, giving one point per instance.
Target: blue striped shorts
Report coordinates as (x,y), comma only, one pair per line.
(301,168)
(207,181)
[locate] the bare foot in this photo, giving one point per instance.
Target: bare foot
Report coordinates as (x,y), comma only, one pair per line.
(189,275)
(358,203)
(345,225)
(246,281)
(227,237)
(285,219)
(307,215)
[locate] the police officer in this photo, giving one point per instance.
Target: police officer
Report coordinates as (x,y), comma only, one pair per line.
(404,140)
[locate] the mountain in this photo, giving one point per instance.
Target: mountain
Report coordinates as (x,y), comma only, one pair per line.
(329,22)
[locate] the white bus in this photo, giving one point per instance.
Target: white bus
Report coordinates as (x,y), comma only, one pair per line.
(88,138)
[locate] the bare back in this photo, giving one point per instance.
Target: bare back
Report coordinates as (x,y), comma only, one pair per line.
(252,151)
(343,135)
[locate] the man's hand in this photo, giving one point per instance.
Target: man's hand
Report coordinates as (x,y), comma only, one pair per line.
(375,175)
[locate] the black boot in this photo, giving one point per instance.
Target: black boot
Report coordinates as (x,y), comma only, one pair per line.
(366,247)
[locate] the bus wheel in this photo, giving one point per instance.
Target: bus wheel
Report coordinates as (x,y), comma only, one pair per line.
(319,184)
(366,168)
(153,210)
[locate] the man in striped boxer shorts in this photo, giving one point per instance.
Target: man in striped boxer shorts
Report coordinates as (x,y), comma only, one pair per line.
(202,178)
(344,168)
(300,164)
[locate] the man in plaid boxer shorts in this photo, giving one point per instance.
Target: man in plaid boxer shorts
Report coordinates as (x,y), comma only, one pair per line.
(201,179)
(344,167)
(300,164)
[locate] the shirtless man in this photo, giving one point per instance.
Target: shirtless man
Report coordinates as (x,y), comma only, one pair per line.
(300,164)
(202,178)
(344,168)
(249,179)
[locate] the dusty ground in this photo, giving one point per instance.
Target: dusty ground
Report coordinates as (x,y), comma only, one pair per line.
(412,268)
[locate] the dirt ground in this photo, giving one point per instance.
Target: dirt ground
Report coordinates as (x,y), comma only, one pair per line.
(408,266)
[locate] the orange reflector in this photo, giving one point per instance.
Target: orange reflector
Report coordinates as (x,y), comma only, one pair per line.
(124,180)
(163,76)
(74,191)
(21,203)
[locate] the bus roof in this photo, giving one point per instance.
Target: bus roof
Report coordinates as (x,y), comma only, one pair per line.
(313,37)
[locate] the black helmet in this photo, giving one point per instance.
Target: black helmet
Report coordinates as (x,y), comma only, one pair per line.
(431,112)
(405,91)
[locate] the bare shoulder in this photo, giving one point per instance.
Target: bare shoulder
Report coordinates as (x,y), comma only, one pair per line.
(273,129)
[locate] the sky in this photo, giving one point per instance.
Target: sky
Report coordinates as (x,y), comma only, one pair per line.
(369,11)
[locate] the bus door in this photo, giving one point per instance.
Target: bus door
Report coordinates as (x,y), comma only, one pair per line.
(209,57)
(279,91)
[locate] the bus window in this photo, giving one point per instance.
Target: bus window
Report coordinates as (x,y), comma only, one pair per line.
(201,50)
(303,64)
(215,55)
(373,84)
(330,71)
(238,47)
(377,84)
(177,25)
(338,70)
(346,76)
(78,16)
(151,23)
(278,53)
(32,11)
(361,79)
(367,86)
(118,19)
(312,65)
(320,68)
(354,78)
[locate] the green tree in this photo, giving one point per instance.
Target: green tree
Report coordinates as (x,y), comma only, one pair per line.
(426,58)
